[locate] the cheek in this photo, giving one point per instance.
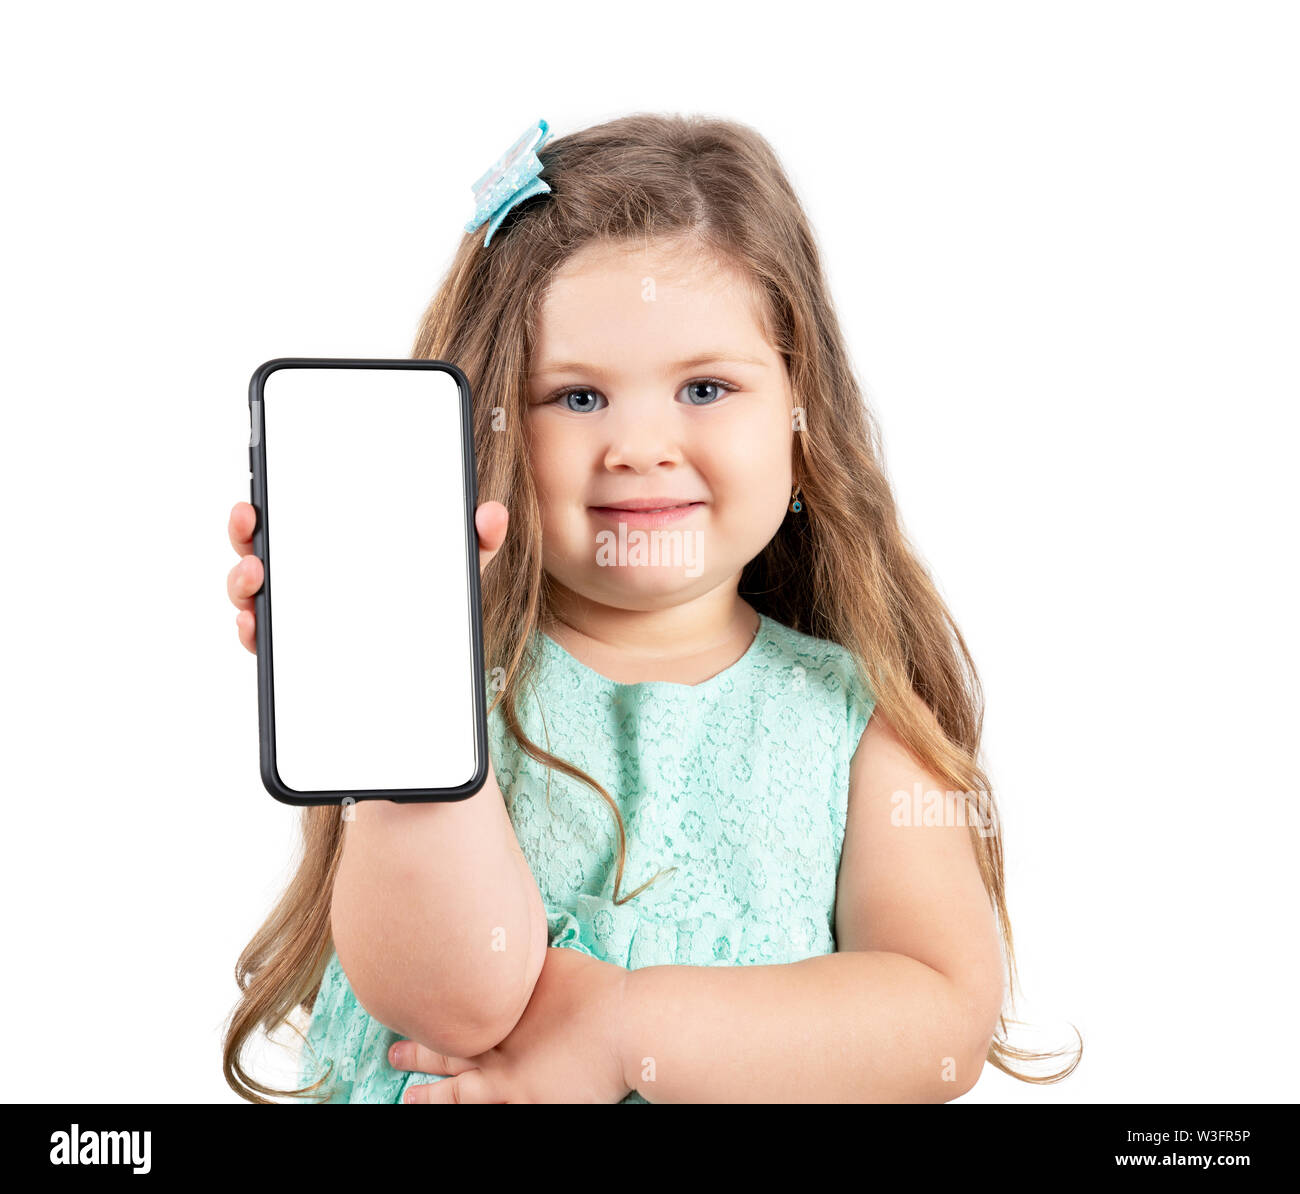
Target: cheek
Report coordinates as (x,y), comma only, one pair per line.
(751,475)
(558,466)
(751,458)
(546,463)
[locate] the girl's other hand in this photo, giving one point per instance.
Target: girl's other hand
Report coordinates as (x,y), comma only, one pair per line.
(245,578)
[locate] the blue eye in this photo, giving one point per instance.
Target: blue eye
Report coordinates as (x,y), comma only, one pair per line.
(589,403)
(706,383)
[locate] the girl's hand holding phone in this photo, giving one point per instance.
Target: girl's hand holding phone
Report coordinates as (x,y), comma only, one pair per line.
(245,578)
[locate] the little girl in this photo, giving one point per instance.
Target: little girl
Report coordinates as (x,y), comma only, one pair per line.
(719,676)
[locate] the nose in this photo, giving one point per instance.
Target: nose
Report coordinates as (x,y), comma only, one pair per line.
(643,438)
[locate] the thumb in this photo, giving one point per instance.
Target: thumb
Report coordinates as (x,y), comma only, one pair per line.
(490,521)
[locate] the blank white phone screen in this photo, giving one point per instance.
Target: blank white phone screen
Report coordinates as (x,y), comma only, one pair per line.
(372,649)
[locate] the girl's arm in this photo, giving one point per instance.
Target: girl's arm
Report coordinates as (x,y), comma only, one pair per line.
(437,919)
(450,878)
(904,1012)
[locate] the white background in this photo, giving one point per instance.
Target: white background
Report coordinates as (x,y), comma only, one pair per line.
(1062,240)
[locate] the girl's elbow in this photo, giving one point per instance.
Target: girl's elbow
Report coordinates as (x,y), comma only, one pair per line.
(454,1001)
(981,1015)
(494,1018)
(973,1067)
(460,1011)
(464,1040)
(458,1024)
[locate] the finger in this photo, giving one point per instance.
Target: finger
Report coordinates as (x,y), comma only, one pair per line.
(490,521)
(243,580)
(473,1086)
(247,625)
(243,522)
(411,1055)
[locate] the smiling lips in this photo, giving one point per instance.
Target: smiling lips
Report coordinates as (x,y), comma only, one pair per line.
(648,512)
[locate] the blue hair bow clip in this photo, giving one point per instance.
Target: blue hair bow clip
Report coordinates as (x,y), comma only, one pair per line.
(512,178)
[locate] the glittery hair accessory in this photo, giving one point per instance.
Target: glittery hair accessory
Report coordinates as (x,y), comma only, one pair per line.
(511,179)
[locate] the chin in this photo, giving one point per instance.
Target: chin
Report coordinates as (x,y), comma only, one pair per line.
(644,587)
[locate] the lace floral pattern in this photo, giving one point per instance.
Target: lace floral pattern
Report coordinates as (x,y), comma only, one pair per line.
(739,783)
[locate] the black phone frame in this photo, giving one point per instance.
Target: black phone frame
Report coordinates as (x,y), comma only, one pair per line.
(262,599)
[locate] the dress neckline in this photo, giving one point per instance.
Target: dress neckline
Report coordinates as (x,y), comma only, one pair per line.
(731,671)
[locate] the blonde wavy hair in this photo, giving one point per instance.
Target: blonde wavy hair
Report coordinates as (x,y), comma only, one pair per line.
(843,571)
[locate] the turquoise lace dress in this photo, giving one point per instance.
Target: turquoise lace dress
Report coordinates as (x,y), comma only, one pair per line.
(740,782)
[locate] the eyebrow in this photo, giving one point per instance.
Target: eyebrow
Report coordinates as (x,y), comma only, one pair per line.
(708,358)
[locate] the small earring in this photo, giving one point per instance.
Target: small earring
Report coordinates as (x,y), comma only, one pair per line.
(795,504)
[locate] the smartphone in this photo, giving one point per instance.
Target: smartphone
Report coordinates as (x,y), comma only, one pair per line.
(370,678)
